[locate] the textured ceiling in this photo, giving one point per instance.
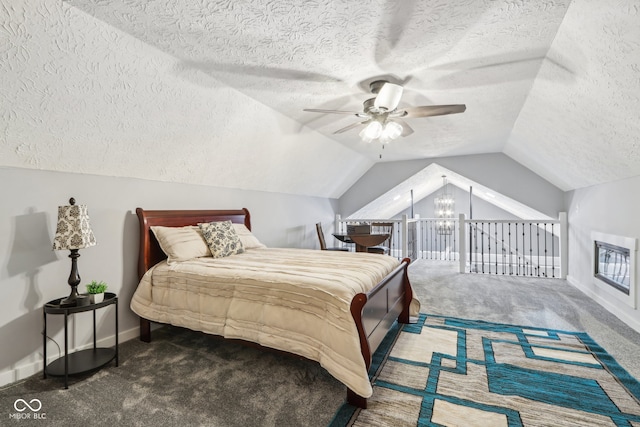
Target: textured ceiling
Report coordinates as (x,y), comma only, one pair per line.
(212,92)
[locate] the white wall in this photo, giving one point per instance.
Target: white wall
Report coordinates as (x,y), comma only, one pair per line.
(610,208)
(481,209)
(32,274)
(495,171)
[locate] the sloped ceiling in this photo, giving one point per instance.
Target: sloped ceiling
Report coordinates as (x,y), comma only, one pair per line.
(585,131)
(212,92)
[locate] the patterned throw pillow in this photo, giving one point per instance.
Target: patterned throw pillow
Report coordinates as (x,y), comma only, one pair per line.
(221,238)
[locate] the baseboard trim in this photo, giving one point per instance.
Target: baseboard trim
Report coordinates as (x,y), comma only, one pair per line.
(611,306)
(25,371)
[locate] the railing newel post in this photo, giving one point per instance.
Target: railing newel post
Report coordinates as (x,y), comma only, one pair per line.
(564,240)
(462,245)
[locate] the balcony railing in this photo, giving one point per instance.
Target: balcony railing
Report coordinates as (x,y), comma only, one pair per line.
(417,238)
(507,247)
(514,247)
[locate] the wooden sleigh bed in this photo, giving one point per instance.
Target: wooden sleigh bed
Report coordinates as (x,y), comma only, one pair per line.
(374,312)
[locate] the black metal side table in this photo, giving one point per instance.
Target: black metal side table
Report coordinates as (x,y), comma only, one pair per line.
(84,360)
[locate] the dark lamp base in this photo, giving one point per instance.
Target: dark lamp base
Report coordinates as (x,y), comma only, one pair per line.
(77,301)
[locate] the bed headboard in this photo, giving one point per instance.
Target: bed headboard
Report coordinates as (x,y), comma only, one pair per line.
(150,253)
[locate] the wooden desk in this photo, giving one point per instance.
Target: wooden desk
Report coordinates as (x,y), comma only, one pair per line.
(362,241)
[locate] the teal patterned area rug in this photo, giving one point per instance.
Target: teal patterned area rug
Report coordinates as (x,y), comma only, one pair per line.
(445,371)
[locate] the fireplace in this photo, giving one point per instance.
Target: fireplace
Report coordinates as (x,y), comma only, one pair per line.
(614,266)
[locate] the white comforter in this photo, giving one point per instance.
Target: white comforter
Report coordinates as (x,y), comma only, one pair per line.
(295,300)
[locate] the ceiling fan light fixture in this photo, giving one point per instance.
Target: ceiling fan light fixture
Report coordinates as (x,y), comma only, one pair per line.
(392,130)
(365,138)
(372,131)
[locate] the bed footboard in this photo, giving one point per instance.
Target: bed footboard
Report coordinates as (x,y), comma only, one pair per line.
(375,313)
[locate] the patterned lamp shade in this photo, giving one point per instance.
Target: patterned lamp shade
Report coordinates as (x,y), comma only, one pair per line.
(73,230)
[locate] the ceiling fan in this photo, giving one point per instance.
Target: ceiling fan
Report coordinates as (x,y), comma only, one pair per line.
(382,118)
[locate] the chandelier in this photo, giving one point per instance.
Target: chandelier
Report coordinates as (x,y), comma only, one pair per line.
(445,206)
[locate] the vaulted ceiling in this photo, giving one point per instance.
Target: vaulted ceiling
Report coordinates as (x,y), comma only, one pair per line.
(212,92)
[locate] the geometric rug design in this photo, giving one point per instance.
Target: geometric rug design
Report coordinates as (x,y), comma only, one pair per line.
(445,371)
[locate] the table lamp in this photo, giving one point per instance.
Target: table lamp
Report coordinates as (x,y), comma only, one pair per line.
(73,232)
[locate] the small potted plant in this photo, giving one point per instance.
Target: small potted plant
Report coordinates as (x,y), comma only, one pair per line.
(96,291)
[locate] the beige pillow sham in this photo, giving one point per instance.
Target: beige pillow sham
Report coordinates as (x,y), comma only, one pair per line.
(181,243)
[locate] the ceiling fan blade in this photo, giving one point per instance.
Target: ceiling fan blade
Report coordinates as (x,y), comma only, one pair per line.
(259,71)
(393,27)
(406,129)
(433,110)
(351,126)
(317,110)
(389,96)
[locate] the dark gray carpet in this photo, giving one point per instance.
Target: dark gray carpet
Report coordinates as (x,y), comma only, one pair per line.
(185,378)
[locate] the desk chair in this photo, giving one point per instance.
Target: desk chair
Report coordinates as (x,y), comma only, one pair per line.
(384,228)
(323,245)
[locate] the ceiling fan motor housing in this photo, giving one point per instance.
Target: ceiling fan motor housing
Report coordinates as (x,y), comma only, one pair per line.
(370,107)
(376,85)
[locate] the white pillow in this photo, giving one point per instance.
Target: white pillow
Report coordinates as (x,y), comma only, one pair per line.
(249,241)
(181,243)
